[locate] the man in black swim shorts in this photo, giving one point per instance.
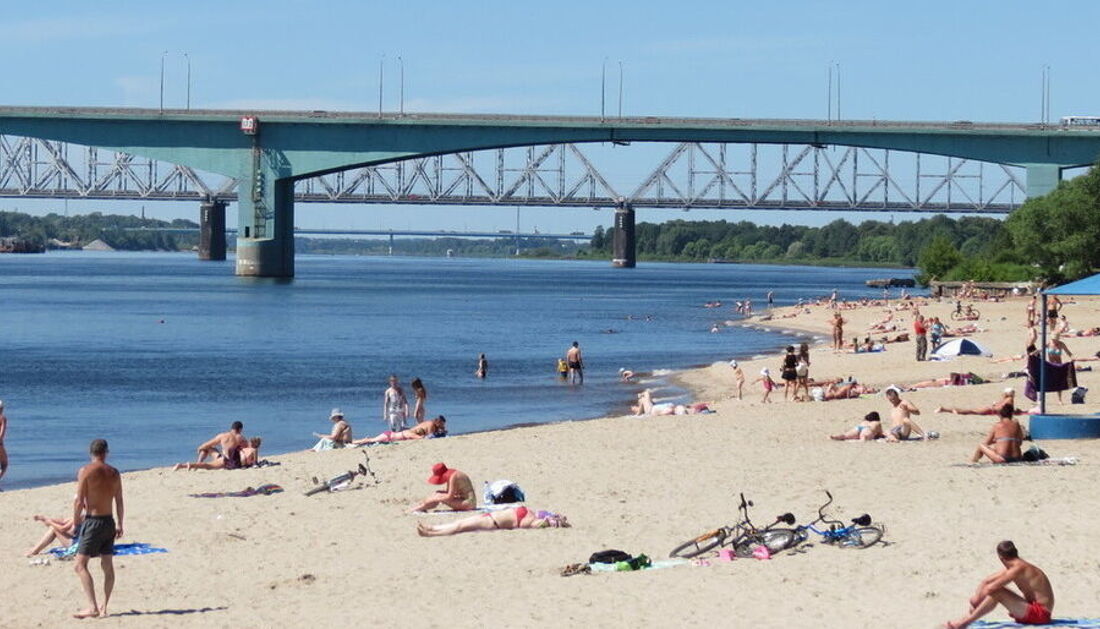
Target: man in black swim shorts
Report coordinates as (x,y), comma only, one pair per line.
(98,494)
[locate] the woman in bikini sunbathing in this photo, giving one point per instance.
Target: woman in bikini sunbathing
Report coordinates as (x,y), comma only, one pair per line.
(514,518)
(433,427)
(1002,443)
(867,430)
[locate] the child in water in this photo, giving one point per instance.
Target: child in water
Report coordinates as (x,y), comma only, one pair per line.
(563,369)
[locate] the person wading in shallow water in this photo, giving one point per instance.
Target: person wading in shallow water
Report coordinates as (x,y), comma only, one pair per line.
(575,361)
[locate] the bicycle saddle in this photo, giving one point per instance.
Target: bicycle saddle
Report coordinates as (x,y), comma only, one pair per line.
(786,518)
(863,520)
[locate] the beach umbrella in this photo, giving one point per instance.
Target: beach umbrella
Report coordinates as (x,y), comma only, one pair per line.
(960,347)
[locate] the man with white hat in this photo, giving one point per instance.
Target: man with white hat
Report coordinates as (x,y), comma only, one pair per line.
(340,435)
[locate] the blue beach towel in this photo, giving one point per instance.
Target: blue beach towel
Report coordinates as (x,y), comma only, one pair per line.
(1080,623)
(120,550)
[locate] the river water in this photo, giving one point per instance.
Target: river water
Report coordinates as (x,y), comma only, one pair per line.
(157,352)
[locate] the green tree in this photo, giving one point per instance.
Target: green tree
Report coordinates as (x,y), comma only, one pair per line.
(1059,231)
(937,259)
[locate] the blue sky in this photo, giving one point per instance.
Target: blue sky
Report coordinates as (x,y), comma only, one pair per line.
(973,60)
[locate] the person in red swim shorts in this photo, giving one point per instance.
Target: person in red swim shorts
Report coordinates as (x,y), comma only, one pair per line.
(1032,606)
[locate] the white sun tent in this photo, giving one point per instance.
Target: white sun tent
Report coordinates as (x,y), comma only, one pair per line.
(958,347)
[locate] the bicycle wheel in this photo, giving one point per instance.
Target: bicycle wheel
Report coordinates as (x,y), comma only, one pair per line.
(776,541)
(862,537)
(956,316)
(699,545)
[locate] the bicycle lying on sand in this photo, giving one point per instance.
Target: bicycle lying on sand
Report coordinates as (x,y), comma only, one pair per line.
(861,533)
(342,481)
(743,536)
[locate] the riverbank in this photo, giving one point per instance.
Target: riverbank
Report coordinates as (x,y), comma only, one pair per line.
(637,484)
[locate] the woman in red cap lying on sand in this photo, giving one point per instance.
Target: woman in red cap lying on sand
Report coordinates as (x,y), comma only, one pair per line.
(514,518)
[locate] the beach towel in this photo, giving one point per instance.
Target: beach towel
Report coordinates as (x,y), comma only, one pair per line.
(485,509)
(1065,460)
(324,443)
(656,564)
(1080,623)
(1058,377)
(262,490)
(62,552)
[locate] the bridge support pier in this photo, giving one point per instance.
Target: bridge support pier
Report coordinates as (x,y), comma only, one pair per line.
(212,230)
(1042,178)
(622,244)
(265,237)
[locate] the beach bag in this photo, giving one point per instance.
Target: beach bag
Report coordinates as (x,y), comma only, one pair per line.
(1078,395)
(609,556)
(1035,453)
(502,492)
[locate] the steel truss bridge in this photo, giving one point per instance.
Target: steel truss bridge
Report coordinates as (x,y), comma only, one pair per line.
(687,176)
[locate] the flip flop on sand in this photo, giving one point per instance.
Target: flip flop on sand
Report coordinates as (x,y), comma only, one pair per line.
(576,568)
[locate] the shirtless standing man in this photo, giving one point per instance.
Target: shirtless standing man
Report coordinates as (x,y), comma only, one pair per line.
(838,331)
(901,416)
(3,431)
(98,485)
(230,442)
(575,361)
(1035,605)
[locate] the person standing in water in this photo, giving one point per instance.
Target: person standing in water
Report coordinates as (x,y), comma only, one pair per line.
(3,431)
(482,366)
(395,406)
(421,397)
(575,361)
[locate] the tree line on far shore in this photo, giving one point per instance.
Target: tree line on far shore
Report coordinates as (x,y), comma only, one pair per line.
(1052,238)
(79,230)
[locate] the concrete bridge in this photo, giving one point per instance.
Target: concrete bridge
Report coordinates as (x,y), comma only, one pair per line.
(268,150)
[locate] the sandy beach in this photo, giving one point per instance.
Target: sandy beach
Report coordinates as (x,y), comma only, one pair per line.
(639,484)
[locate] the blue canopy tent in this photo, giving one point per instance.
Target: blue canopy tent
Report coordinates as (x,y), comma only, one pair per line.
(1045,426)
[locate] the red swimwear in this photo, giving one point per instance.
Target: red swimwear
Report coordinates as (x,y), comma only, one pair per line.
(521,512)
(1037,614)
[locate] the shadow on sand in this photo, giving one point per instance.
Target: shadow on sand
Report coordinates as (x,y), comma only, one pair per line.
(170,612)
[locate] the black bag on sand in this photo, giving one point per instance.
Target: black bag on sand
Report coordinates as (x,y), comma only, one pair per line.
(609,556)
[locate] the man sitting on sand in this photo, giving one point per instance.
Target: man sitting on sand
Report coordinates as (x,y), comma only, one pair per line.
(458,493)
(430,428)
(1034,604)
(1003,443)
(901,417)
(230,444)
(244,456)
(340,435)
(867,430)
(514,518)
